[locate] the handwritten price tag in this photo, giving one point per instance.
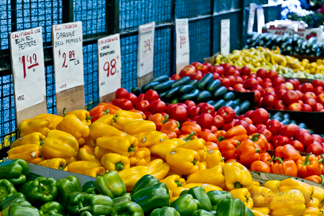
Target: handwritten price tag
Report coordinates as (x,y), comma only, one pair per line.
(68,55)
(182,44)
(109,64)
(225,36)
(145,60)
(251,17)
(27,60)
(261,22)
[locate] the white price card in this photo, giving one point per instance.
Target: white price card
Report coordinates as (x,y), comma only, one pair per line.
(109,64)
(251,17)
(27,58)
(225,36)
(68,55)
(145,56)
(261,22)
(182,44)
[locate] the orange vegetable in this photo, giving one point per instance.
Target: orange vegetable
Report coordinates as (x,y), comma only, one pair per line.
(238,133)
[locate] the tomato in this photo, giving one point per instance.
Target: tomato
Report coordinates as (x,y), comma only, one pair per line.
(320,98)
(228,126)
(238,80)
(278,80)
(141,97)
(157,107)
(288,130)
(306,139)
(182,104)
(178,113)
(267,134)
(250,83)
(280,93)
(274,126)
(295,107)
(239,117)
(272,74)
(200,104)
(151,95)
(315,148)
(318,90)
(317,138)
(227,113)
(226,82)
(230,71)
(169,107)
(262,73)
(175,77)
(307,108)
(196,64)
(187,71)
(299,132)
(270,90)
(307,87)
(143,105)
(290,97)
(281,86)
(260,89)
(318,107)
(196,76)
(190,103)
(247,119)
(243,123)
(278,140)
(317,82)
(213,129)
(309,95)
(226,65)
(215,76)
(209,66)
(132,97)
(266,84)
(205,120)
(260,126)
(207,108)
(311,102)
(124,104)
(259,116)
(121,93)
(248,113)
(237,86)
(217,69)
(252,129)
(231,80)
(245,70)
(218,121)
(193,112)
(269,101)
(257,96)
(297,145)
(203,69)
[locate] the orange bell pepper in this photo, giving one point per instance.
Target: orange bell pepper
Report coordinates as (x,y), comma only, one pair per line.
(211,145)
(260,140)
(158,120)
(285,167)
(101,110)
(308,166)
(232,161)
(170,134)
(266,158)
(287,152)
(207,136)
(260,166)
(188,127)
(188,137)
(238,133)
(228,148)
(248,152)
(171,125)
(316,178)
(220,136)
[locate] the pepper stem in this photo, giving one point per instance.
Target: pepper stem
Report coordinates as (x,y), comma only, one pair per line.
(64,114)
(178,183)
(61,167)
(322,183)
(322,159)
(272,159)
(279,159)
(106,112)
(165,119)
(178,124)
(131,148)
(255,137)
(194,162)
(41,142)
(222,158)
(115,118)
(89,118)
(119,166)
(220,138)
(307,162)
(190,135)
(257,150)
(237,185)
(86,208)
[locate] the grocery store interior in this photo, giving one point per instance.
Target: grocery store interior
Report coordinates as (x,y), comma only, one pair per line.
(162,107)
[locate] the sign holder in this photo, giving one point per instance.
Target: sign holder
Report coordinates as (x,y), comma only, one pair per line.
(182,44)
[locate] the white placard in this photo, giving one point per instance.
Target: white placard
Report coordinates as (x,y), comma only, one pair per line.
(182,44)
(260,16)
(145,56)
(109,64)
(251,17)
(68,55)
(27,58)
(225,36)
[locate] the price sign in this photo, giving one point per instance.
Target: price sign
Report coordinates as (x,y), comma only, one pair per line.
(145,49)
(182,44)
(251,17)
(225,36)
(109,64)
(260,15)
(68,55)
(27,58)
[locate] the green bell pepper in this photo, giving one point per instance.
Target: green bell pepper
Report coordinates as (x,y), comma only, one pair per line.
(231,207)
(18,201)
(144,182)
(87,186)
(110,185)
(86,213)
(11,198)
(128,195)
(165,211)
(51,208)
(15,171)
(248,212)
(118,200)
(186,205)
(150,198)
(67,186)
(129,208)
(199,194)
(6,189)
(23,210)
(217,196)
(202,212)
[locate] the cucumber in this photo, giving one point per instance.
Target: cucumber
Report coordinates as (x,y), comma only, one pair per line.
(293,122)
(229,96)
(193,83)
(286,116)
(237,101)
(172,92)
(162,95)
(219,92)
(185,89)
(285,121)
(203,83)
(190,96)
(302,125)
(277,118)
(245,106)
(229,103)
(219,104)
(180,82)
(277,114)
(136,91)
(204,96)
(211,102)
(149,86)
(237,110)
(213,85)
(162,87)
(175,101)
(160,79)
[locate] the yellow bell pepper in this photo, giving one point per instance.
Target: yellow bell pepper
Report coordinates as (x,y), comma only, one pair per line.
(237,176)
(55,163)
(256,183)
(33,138)
(122,117)
(31,153)
(207,187)
(176,192)
(290,202)
(150,138)
(158,168)
(202,165)
(264,210)
(107,119)
(83,115)
(113,161)
(60,144)
(318,194)
(54,120)
(131,175)
(117,144)
(212,176)
(99,152)
(29,126)
(164,148)
(261,195)
(87,153)
(258,213)
(312,211)
(213,158)
(273,185)
(173,182)
(136,127)
(197,145)
(244,195)
(313,203)
(322,210)
(142,157)
(91,142)
(292,184)
(183,161)
(100,129)
(86,168)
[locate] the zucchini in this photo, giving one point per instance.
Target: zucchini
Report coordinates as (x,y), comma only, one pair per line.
(278,118)
(175,101)
(237,110)
(172,92)
(213,85)
(293,122)
(185,89)
(237,101)
(190,96)
(160,79)
(203,83)
(162,96)
(193,83)
(219,104)
(229,96)
(149,86)
(285,116)
(162,87)
(302,125)
(180,82)
(285,121)
(136,91)
(229,103)
(204,96)
(245,106)
(211,102)
(219,92)
(277,114)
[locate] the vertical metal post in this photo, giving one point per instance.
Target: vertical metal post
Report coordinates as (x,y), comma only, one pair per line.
(13,15)
(67,7)
(212,28)
(243,24)
(112,16)
(173,46)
